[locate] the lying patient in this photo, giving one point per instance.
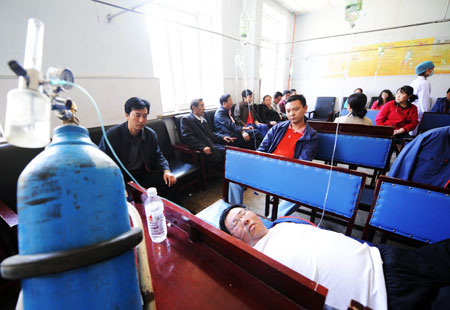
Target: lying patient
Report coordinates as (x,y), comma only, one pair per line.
(374,276)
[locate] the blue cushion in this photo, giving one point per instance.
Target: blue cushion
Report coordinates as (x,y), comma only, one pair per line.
(366,197)
(285,208)
(287,180)
(358,150)
(180,169)
(212,214)
(412,212)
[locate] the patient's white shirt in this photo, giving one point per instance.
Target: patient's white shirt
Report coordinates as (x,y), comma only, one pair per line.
(347,268)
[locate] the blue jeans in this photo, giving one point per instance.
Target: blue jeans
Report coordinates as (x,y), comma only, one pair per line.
(235,194)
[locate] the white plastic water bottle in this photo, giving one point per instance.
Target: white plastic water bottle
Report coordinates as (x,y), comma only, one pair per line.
(156,220)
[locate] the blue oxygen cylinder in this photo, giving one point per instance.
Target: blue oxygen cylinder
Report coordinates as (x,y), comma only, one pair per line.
(72,207)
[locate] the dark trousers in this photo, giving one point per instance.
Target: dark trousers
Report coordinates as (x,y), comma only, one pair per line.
(398,139)
(217,155)
(255,140)
(417,278)
(155,179)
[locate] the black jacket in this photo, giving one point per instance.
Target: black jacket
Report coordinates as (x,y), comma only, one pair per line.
(120,139)
(268,115)
(196,135)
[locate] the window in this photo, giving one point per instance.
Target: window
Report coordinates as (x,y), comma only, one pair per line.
(187,61)
(273,54)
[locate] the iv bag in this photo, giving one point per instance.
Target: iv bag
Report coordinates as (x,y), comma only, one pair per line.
(352,11)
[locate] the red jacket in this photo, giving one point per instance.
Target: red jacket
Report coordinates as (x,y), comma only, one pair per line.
(394,115)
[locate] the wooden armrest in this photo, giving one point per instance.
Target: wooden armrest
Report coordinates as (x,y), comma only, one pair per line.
(8,215)
(195,154)
(183,148)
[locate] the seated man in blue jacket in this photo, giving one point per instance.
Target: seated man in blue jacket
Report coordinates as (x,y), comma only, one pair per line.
(293,138)
(442,104)
(245,136)
(137,148)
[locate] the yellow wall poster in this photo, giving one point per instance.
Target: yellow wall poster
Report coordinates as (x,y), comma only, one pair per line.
(393,58)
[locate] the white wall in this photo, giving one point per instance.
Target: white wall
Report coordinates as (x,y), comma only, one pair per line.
(310,69)
(113,60)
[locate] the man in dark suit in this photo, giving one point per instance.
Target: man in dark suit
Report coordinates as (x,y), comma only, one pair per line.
(197,135)
(246,136)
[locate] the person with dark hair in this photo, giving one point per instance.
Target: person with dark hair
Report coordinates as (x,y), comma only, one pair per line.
(137,148)
(293,138)
(197,135)
(442,104)
(356,91)
(276,100)
(246,113)
(379,277)
(400,113)
(282,104)
(226,125)
(293,91)
(422,87)
(385,96)
(268,115)
(356,111)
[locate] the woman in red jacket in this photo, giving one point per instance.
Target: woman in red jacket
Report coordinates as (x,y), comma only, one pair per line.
(400,113)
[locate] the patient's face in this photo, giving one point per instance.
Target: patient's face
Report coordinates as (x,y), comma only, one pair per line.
(245,225)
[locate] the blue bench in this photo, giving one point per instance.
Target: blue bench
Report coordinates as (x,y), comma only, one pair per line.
(412,210)
(357,145)
(296,181)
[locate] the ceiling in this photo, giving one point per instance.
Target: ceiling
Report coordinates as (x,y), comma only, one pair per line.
(309,6)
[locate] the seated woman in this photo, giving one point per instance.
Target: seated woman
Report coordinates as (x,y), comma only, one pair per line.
(400,113)
(268,115)
(356,111)
(385,96)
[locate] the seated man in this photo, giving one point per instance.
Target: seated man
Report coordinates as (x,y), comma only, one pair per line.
(293,138)
(378,277)
(442,104)
(276,100)
(197,135)
(246,114)
(137,148)
(282,103)
(225,124)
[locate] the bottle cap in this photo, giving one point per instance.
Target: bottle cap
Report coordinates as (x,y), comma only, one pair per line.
(152,191)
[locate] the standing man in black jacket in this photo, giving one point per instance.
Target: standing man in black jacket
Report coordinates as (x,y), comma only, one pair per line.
(197,135)
(137,148)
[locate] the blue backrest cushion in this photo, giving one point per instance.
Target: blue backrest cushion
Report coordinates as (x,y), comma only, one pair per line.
(359,150)
(412,212)
(301,183)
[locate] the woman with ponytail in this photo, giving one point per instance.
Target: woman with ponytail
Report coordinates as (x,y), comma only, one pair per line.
(356,111)
(400,113)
